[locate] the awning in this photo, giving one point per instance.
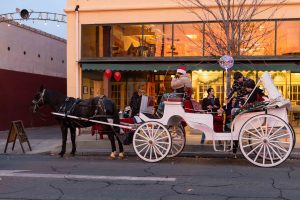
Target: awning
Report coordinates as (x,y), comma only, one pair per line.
(155,67)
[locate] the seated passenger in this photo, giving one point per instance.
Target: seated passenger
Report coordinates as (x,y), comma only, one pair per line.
(219,120)
(253,101)
(211,102)
(181,82)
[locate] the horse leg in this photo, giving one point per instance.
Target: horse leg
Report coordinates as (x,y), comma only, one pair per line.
(73,139)
(64,132)
(111,138)
(121,149)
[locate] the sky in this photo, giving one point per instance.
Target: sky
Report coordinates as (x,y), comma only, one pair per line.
(55,6)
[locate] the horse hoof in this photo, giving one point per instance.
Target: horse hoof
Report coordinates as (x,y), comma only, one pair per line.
(121,155)
(113,155)
(61,154)
(72,153)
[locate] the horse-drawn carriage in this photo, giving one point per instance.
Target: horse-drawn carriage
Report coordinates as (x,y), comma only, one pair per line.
(264,135)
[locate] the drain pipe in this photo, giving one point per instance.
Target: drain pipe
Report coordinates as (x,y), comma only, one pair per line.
(77,50)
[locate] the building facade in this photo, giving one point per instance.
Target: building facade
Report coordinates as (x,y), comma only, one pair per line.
(147,40)
(29,58)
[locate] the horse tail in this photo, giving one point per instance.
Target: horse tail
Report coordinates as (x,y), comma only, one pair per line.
(116,118)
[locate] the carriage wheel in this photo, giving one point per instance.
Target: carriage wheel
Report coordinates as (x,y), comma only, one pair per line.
(178,140)
(274,157)
(266,140)
(152,141)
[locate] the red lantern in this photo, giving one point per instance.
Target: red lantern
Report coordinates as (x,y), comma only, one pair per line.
(108,73)
(117,76)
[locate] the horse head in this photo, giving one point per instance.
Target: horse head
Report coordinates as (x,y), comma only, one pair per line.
(38,99)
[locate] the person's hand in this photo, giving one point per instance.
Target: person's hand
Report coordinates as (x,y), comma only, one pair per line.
(209,107)
(177,76)
(216,106)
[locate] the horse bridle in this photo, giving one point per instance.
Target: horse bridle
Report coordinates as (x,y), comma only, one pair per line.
(40,100)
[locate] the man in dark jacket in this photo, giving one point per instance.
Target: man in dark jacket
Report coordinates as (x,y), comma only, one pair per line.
(238,87)
(135,102)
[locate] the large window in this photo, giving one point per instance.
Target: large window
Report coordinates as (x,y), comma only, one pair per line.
(157,40)
(126,40)
(188,40)
(288,38)
(255,38)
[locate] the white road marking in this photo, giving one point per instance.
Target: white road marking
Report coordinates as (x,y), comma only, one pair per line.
(16,173)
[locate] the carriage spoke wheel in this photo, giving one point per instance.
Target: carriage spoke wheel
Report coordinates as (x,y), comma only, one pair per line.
(178,140)
(152,141)
(266,140)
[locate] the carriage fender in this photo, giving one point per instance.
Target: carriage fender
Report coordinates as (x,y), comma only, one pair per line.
(199,121)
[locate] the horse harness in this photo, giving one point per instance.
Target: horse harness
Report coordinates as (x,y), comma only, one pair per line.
(68,110)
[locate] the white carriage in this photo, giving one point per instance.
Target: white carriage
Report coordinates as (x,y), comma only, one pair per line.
(265,137)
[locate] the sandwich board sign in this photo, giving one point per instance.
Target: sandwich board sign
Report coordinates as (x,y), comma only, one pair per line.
(17,131)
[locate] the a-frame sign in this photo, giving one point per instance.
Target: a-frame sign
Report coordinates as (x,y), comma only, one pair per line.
(17,130)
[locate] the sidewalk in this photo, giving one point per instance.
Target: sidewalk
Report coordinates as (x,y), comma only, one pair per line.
(47,140)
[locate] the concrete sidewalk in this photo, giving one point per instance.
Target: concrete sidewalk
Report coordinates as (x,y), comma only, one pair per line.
(47,140)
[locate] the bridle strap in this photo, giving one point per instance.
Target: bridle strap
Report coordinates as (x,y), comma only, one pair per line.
(41,99)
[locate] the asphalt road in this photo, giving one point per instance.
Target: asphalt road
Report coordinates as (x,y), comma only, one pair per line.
(88,177)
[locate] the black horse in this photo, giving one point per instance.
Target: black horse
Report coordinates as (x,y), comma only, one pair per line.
(98,108)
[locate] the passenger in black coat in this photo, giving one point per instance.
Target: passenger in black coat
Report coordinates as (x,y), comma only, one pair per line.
(135,102)
(211,102)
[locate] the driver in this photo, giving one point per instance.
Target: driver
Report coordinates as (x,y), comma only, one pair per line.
(181,82)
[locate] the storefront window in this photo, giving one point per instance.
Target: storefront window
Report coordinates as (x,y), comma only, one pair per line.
(157,40)
(126,40)
(257,38)
(88,41)
(288,38)
(95,41)
(92,84)
(215,40)
(295,88)
(188,40)
(202,80)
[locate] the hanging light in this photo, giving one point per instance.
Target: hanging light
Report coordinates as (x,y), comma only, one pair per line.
(45,22)
(57,25)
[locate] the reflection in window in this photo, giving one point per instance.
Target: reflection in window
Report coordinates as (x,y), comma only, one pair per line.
(95,41)
(157,40)
(288,38)
(187,40)
(126,40)
(215,40)
(257,38)
(88,42)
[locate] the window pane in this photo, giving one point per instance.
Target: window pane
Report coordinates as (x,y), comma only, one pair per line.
(257,38)
(95,41)
(126,40)
(88,41)
(215,40)
(288,38)
(187,39)
(157,40)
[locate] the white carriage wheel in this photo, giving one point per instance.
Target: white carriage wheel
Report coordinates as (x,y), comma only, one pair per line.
(178,140)
(274,157)
(266,140)
(152,141)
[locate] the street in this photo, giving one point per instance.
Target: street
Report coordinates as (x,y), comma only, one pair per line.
(91,177)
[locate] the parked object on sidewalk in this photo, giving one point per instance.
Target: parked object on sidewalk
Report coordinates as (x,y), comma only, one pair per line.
(97,108)
(17,131)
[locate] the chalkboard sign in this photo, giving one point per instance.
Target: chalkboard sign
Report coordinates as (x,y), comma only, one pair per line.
(17,130)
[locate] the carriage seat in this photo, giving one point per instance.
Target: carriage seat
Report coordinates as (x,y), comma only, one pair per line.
(152,116)
(192,106)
